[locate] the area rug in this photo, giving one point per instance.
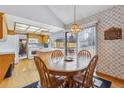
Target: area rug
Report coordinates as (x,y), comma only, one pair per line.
(98,83)
(101,83)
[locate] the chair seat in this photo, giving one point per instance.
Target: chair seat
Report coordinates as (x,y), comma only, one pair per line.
(56,81)
(79,78)
(86,79)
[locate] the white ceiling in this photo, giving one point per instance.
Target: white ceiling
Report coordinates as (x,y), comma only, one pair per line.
(37,13)
(66,12)
(52,17)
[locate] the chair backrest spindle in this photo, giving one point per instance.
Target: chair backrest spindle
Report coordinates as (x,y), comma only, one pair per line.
(43,72)
(84,53)
(87,81)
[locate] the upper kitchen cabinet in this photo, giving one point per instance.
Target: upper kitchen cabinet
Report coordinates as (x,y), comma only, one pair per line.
(43,39)
(3,27)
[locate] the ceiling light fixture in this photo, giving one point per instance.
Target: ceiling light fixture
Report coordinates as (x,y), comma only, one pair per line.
(75,28)
(21,25)
(33,27)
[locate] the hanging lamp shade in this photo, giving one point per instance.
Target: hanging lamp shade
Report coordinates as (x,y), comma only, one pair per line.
(75,28)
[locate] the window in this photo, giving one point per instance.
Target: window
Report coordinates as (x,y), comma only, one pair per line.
(87,40)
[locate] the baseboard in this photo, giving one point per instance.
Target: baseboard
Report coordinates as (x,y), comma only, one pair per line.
(110,77)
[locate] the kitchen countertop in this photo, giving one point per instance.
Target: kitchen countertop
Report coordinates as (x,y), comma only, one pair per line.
(8,51)
(48,49)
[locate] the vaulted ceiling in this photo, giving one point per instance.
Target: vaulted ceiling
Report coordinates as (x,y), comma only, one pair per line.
(66,12)
(53,17)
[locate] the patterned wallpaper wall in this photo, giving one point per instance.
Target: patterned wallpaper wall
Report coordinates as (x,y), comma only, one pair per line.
(110,52)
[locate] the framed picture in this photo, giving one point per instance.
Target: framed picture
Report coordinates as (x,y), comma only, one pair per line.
(113,33)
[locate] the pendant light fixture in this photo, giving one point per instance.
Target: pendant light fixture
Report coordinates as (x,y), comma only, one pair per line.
(75,28)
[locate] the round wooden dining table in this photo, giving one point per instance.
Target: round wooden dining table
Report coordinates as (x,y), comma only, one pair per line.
(66,68)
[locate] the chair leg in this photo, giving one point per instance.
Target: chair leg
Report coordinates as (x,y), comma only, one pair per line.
(92,84)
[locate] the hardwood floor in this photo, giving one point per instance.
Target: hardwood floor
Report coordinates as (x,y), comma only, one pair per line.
(23,74)
(26,73)
(115,82)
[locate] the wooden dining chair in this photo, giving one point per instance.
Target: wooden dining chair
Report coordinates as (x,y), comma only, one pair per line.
(46,79)
(84,56)
(86,80)
(84,53)
(57,55)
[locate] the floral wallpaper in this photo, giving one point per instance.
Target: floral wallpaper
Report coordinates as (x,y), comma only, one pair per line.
(110,52)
